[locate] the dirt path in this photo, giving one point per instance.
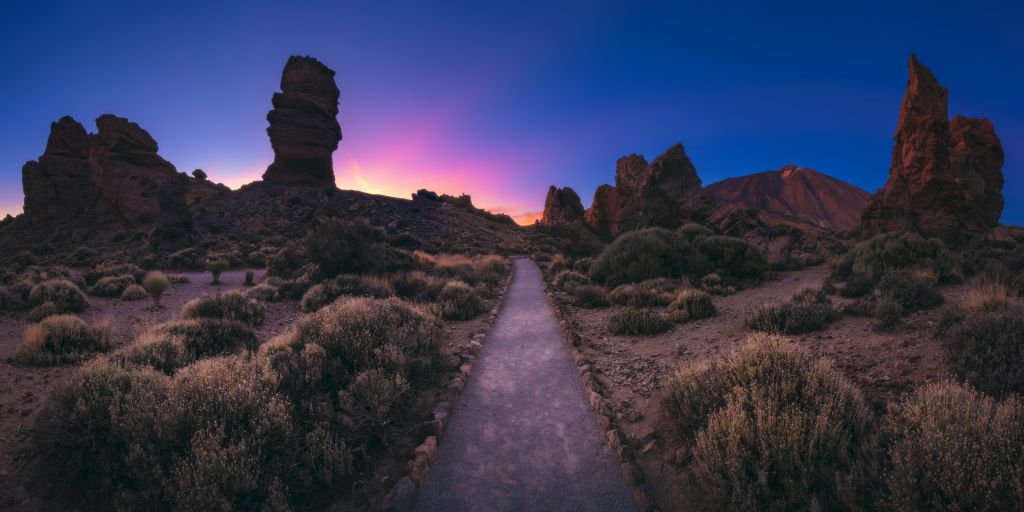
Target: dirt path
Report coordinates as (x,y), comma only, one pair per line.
(523,436)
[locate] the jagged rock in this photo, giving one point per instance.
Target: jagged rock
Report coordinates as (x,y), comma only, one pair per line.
(561,206)
(794,196)
(666,193)
(304,130)
(946,178)
(59,185)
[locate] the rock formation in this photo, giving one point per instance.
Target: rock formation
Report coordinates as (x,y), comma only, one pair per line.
(59,185)
(795,196)
(304,130)
(561,206)
(667,192)
(946,177)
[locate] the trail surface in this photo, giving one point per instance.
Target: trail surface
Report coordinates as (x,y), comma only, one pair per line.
(523,437)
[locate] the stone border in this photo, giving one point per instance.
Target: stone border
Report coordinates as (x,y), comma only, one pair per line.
(402,496)
(616,439)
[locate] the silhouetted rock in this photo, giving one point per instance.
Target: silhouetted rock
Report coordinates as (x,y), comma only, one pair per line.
(666,193)
(304,130)
(561,206)
(946,178)
(59,185)
(794,196)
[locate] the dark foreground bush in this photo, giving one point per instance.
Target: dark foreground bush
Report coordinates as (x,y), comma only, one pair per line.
(633,322)
(174,345)
(639,295)
(647,254)
(134,292)
(345,246)
(898,251)
(590,296)
(62,339)
(912,291)
(987,349)
(692,305)
(10,301)
(732,256)
(953,448)
(322,294)
(227,306)
(416,285)
(458,301)
(773,429)
(64,295)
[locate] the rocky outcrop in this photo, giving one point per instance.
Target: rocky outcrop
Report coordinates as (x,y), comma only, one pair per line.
(304,130)
(794,196)
(667,193)
(946,177)
(59,185)
(561,206)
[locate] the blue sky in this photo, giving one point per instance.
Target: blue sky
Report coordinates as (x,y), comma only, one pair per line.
(500,101)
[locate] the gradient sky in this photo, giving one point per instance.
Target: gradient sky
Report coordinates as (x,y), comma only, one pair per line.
(500,101)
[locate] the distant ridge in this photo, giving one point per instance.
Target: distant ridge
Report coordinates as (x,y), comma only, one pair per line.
(794,196)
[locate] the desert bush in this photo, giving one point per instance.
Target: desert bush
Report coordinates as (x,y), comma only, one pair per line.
(216,268)
(134,292)
(989,293)
(887,314)
(733,256)
(489,269)
(376,398)
(174,345)
(178,279)
(94,275)
(10,300)
(692,231)
(111,286)
(953,448)
(567,280)
(863,306)
(582,265)
(898,251)
(67,297)
(791,318)
(773,429)
(631,321)
(249,275)
(647,254)
(559,263)
(692,305)
(639,295)
(590,296)
(62,339)
(857,285)
(416,285)
(226,306)
(186,259)
(46,309)
(262,292)
(712,283)
(155,283)
(322,294)
(910,290)
(287,262)
(345,246)
(987,349)
(458,301)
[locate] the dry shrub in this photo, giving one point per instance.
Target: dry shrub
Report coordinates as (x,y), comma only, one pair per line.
(325,293)
(647,254)
(567,280)
(156,283)
(62,339)
(67,297)
(134,292)
(733,256)
(899,251)
(262,292)
(216,268)
(375,398)
(44,310)
(113,270)
(692,305)
(10,300)
(692,231)
(489,269)
(773,429)
(639,295)
(111,286)
(911,290)
(345,246)
(458,301)
(953,448)
(989,293)
(987,349)
(226,306)
(792,317)
(559,263)
(416,285)
(590,296)
(887,314)
(173,345)
(858,285)
(633,322)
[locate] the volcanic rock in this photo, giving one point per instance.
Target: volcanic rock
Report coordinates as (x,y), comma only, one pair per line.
(59,185)
(561,206)
(304,130)
(946,178)
(795,196)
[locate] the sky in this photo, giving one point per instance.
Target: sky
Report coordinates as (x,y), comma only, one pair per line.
(502,99)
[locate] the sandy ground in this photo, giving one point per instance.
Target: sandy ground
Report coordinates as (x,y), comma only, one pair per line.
(633,368)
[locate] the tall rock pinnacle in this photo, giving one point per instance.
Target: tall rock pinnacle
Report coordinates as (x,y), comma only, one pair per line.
(304,130)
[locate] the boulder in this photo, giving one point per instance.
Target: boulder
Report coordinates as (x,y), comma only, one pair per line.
(561,206)
(945,180)
(304,130)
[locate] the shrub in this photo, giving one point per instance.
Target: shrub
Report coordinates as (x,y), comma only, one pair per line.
(61,292)
(639,295)
(62,339)
(911,291)
(692,231)
(733,256)
(647,254)
(457,301)
(174,345)
(10,301)
(111,286)
(693,305)
(249,275)
(377,399)
(287,262)
(156,284)
(46,309)
(896,251)
(590,296)
(186,259)
(113,270)
(864,306)
(322,294)
(857,285)
(178,279)
(262,292)
(582,265)
(216,268)
(416,285)
(567,280)
(345,246)
(773,428)
(559,263)
(791,318)
(989,293)
(227,306)
(134,292)
(887,314)
(631,321)
(953,448)
(987,349)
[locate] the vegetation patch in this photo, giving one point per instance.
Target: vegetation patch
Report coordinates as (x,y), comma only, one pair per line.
(64,295)
(226,306)
(62,339)
(647,254)
(639,295)
(987,349)
(632,322)
(692,305)
(458,301)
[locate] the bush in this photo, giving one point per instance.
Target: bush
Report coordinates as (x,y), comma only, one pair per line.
(186,259)
(910,290)
(773,429)
(791,318)
(323,294)
(46,309)
(590,296)
(262,292)
(111,286)
(647,254)
(953,448)
(692,305)
(156,284)
(134,292)
(216,268)
(227,306)
(987,349)
(639,295)
(174,345)
(898,251)
(113,270)
(249,275)
(345,246)
(62,339)
(887,314)
(416,285)
(567,280)
(857,285)
(287,262)
(559,263)
(457,301)
(10,301)
(61,292)
(733,256)
(989,293)
(692,231)
(631,321)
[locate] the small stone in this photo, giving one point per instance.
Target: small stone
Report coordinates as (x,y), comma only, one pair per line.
(584,369)
(465,370)
(428,449)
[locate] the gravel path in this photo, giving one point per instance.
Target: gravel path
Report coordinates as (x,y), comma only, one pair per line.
(523,436)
